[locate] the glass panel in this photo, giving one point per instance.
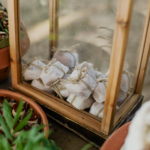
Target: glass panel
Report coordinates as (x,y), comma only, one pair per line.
(146,85)
(134,46)
(34,16)
(88,24)
(4,3)
(136,34)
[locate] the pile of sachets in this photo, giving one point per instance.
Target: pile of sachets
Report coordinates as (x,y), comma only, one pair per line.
(78,84)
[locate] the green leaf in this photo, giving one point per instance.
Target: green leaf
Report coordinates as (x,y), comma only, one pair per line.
(20,145)
(1,142)
(23,135)
(39,128)
(39,147)
(2,26)
(49,132)
(7,114)
(4,43)
(5,9)
(38,137)
(53,145)
(29,145)
(6,31)
(46,142)
(6,144)
(42,126)
(19,109)
(23,122)
(87,146)
(5,128)
(33,132)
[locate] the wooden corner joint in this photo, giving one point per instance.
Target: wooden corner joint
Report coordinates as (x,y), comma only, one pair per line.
(104,132)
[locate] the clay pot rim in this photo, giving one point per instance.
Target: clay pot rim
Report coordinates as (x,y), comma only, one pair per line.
(116,140)
(32,104)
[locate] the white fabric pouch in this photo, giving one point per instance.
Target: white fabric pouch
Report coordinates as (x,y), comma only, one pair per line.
(98,75)
(39,85)
(124,87)
(121,97)
(33,69)
(60,88)
(85,66)
(125,81)
(80,102)
(97,109)
(67,57)
(82,87)
(52,72)
(99,92)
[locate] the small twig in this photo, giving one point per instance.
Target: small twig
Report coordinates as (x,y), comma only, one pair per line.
(103,37)
(106,29)
(105,46)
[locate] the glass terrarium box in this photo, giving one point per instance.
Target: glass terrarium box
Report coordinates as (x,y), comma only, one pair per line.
(84,60)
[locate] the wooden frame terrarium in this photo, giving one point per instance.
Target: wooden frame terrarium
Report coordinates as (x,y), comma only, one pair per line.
(62,111)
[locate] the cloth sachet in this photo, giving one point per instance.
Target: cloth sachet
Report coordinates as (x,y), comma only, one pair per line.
(97,109)
(67,57)
(84,67)
(99,92)
(80,102)
(60,88)
(53,72)
(125,80)
(33,69)
(98,74)
(80,84)
(38,84)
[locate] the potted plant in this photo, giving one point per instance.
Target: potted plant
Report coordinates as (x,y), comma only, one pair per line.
(12,137)
(4,43)
(37,109)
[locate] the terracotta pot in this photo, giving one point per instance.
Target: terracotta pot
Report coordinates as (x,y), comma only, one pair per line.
(116,140)
(4,63)
(35,106)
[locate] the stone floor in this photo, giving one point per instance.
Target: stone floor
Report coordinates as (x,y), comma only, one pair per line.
(63,137)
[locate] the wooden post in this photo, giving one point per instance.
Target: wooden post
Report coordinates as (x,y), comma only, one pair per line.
(54,23)
(14,36)
(144,55)
(116,64)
